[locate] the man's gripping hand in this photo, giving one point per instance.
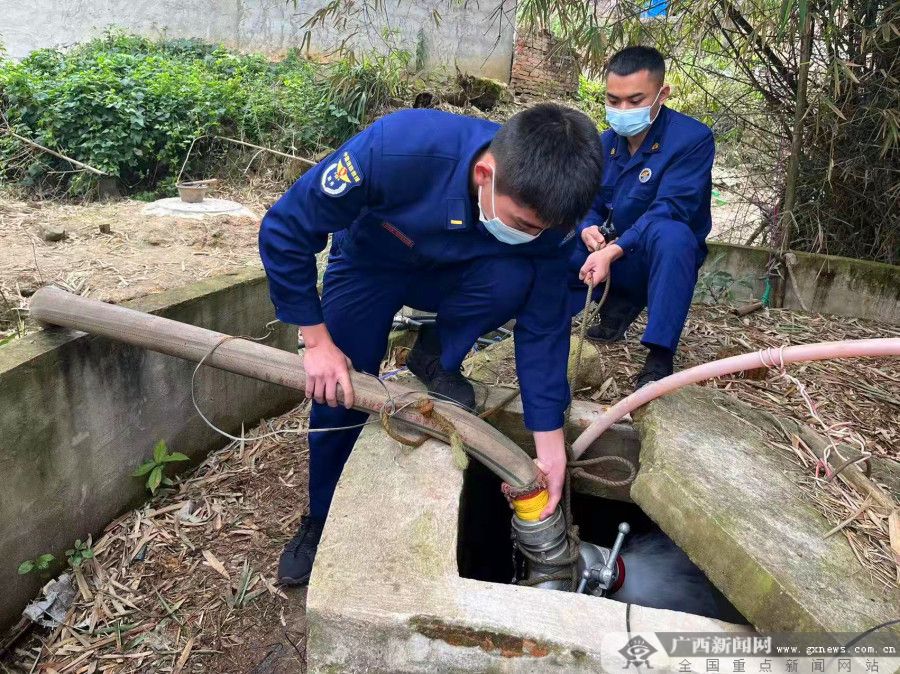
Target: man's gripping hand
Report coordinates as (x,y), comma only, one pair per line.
(596,268)
(593,238)
(551,459)
(326,367)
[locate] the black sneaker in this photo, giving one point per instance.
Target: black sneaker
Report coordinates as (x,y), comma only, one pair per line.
(615,319)
(296,561)
(659,364)
(424,361)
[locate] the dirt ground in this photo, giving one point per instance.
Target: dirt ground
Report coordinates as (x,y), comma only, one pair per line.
(145,254)
(140,255)
(186,582)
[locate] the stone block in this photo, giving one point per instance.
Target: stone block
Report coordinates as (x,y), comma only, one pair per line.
(719,488)
(52,232)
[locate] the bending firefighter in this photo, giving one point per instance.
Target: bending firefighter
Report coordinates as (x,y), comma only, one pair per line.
(441,213)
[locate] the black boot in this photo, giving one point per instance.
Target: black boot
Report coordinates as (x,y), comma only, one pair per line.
(424,361)
(296,561)
(615,318)
(659,364)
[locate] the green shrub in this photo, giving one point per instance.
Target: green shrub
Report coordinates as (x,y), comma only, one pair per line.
(591,99)
(131,107)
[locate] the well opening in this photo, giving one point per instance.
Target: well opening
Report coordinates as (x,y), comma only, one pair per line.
(662,576)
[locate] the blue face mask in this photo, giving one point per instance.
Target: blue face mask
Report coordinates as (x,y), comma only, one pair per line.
(498,229)
(630,122)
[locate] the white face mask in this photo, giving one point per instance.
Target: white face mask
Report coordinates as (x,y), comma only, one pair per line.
(498,229)
(631,122)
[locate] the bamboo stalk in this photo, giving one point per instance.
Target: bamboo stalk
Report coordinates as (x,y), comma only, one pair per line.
(793,172)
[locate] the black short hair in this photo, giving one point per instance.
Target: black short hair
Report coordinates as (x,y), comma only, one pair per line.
(549,158)
(634,59)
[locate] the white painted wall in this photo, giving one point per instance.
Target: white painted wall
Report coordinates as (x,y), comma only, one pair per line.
(471,35)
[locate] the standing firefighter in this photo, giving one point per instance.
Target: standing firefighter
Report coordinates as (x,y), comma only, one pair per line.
(655,197)
(441,213)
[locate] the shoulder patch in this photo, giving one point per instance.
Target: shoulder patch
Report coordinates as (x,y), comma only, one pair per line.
(341,176)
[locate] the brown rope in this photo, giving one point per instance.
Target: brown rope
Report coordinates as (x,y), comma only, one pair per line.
(390,428)
(577,468)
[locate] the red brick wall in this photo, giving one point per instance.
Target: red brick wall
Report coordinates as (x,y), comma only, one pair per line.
(541,69)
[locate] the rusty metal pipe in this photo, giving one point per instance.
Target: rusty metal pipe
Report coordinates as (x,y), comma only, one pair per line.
(483,442)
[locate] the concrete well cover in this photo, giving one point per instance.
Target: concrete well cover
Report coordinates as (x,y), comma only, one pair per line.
(207,208)
(729,498)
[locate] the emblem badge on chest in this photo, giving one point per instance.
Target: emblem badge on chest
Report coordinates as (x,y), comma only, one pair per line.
(645,175)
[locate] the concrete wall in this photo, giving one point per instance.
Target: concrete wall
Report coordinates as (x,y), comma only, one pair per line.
(78,414)
(473,36)
(829,284)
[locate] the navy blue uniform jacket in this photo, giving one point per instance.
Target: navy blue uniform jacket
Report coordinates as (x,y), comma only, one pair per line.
(668,178)
(399,195)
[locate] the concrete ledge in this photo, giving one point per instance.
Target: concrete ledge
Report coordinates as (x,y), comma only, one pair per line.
(830,284)
(78,414)
(386,595)
(713,482)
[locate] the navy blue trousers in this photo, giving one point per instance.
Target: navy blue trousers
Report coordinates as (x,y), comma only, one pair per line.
(359,304)
(660,275)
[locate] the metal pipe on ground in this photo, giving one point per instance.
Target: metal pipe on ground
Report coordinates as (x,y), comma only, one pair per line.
(482,441)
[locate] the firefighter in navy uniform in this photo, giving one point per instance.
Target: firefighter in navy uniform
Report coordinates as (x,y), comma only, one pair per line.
(442,213)
(649,222)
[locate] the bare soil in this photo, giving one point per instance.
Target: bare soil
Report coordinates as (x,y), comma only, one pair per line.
(138,256)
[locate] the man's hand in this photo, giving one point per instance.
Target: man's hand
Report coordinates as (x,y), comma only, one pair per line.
(596,267)
(593,238)
(326,367)
(551,459)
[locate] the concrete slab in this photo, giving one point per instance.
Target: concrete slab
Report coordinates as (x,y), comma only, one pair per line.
(386,595)
(728,498)
(207,208)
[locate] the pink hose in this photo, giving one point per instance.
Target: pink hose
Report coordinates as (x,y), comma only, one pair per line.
(772,358)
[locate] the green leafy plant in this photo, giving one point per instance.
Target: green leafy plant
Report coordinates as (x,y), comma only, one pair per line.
(80,552)
(360,85)
(132,107)
(38,565)
(154,468)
